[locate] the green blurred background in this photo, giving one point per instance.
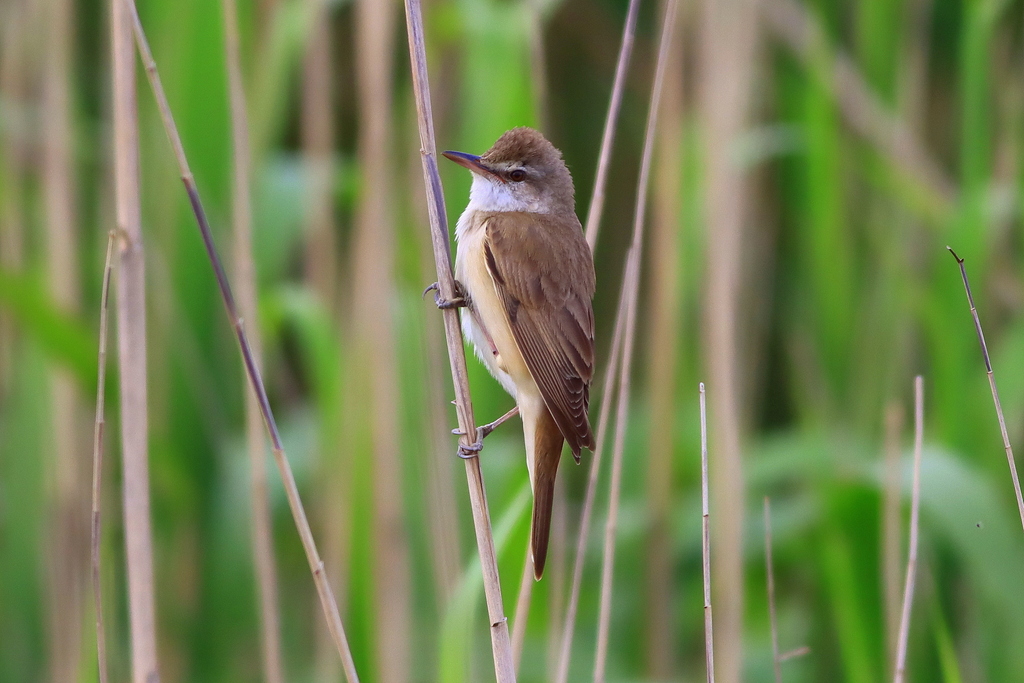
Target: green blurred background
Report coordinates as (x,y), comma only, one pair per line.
(816,158)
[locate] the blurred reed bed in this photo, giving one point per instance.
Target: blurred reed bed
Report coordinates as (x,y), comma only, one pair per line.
(813,162)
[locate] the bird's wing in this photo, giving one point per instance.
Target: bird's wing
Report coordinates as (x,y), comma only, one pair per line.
(544,275)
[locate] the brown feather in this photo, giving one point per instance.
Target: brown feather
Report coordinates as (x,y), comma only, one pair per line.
(544,275)
(547,451)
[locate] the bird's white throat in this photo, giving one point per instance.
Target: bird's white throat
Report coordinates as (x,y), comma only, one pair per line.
(492,195)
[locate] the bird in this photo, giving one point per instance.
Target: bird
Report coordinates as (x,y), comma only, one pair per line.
(525,281)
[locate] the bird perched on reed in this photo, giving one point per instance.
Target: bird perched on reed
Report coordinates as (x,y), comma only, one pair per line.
(525,276)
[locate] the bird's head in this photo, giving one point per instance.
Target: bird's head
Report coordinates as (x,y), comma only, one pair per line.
(522,171)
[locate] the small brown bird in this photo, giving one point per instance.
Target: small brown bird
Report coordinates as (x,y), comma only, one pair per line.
(526,278)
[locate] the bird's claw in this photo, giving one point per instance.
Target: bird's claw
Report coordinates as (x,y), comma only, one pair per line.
(473,449)
(458,301)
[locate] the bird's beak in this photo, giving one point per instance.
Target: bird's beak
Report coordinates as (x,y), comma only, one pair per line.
(473,163)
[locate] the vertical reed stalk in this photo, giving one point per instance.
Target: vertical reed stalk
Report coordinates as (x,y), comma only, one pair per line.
(631,284)
(593,222)
(992,385)
(445,547)
(13,67)
(728,46)
(663,343)
(607,393)
(316,566)
(317,133)
(245,276)
(131,344)
(372,349)
(501,645)
(770,571)
(891,559)
(522,608)
(97,465)
(705,534)
(321,274)
(68,534)
(915,504)
(538,63)
(596,209)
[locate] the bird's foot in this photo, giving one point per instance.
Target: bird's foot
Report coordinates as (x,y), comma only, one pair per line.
(472,450)
(458,301)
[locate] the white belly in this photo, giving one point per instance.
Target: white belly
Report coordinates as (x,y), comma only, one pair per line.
(486,325)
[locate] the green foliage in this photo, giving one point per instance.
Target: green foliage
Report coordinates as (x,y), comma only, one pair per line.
(858,295)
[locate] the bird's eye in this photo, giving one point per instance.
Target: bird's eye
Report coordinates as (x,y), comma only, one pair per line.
(517,174)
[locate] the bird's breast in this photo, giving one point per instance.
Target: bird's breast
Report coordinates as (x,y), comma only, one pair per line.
(485,322)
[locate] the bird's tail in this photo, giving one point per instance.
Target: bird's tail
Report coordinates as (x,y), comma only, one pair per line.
(547,449)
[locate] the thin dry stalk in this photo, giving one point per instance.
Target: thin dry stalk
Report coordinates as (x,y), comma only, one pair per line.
(501,644)
(321,274)
(245,276)
(728,58)
(13,77)
(66,519)
(632,286)
(866,113)
(445,547)
(992,386)
(522,608)
(608,556)
(891,554)
(317,133)
(776,661)
(604,412)
(371,333)
(131,337)
(97,464)
(538,62)
(915,504)
(709,631)
(327,601)
(663,316)
(596,209)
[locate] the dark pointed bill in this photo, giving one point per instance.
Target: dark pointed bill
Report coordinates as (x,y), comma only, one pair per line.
(472,162)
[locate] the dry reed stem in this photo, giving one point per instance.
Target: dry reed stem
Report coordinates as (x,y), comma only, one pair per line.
(728,59)
(67,483)
(131,338)
(992,386)
(97,464)
(596,209)
(501,644)
(317,135)
(371,336)
(709,632)
(327,601)
(445,547)
(316,132)
(664,334)
(891,555)
(915,504)
(866,113)
(607,393)
(770,571)
(608,555)
(13,71)
(538,62)
(631,285)
(245,276)
(522,609)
